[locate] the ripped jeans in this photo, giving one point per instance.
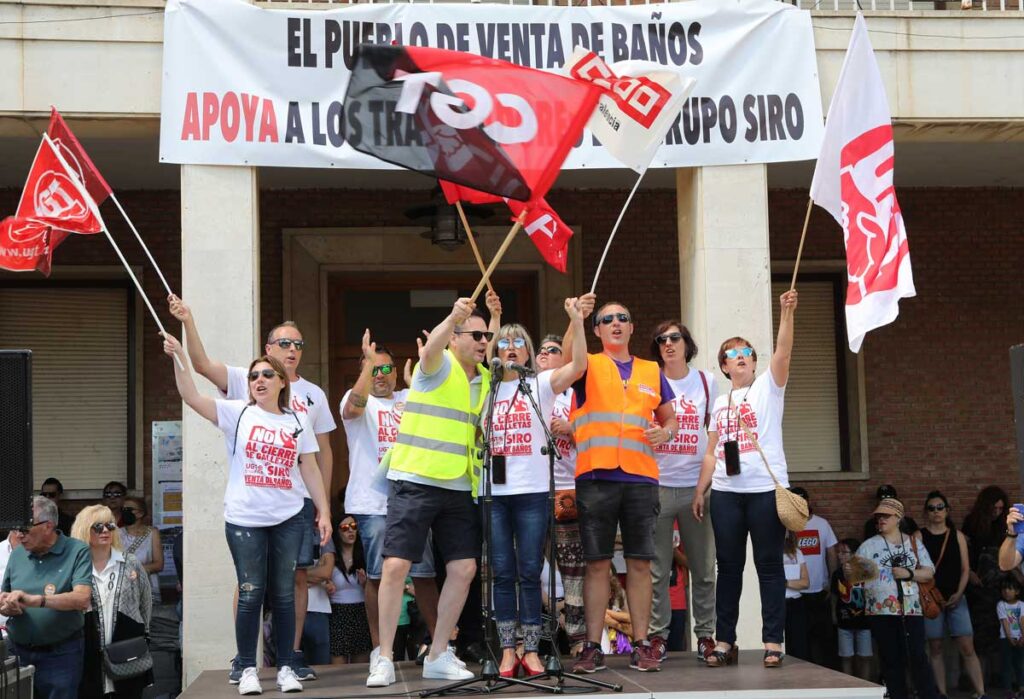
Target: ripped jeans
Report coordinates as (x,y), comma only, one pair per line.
(264,558)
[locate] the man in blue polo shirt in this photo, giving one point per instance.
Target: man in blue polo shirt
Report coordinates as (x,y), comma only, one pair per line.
(46,589)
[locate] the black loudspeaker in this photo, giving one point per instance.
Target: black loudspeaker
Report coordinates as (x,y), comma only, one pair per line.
(16,437)
(1017,388)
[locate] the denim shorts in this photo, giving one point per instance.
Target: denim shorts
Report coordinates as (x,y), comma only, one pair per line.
(371,532)
(310,535)
(955,621)
(605,506)
(854,642)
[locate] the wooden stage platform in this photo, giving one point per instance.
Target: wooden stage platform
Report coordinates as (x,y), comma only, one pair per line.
(681,677)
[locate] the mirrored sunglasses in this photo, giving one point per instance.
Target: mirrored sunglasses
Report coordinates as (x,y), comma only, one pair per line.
(100,526)
(265,373)
(383,369)
(549,350)
(739,352)
(286,343)
(609,317)
(506,342)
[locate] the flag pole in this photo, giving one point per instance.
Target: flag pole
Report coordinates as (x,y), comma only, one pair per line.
(144,248)
(800,250)
(616,228)
(472,243)
(498,255)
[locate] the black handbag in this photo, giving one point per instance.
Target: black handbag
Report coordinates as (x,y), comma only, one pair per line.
(128,658)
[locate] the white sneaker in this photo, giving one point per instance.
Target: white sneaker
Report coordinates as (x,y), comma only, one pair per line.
(250,682)
(374,655)
(382,673)
(445,667)
(287,681)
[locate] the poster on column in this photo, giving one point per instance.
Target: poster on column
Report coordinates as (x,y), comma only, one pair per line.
(243,85)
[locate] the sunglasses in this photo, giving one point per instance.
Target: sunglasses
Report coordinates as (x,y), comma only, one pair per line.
(113,493)
(26,528)
(53,495)
(100,526)
(935,508)
(265,373)
(882,516)
(607,319)
(348,527)
(506,342)
(669,337)
(383,369)
(549,350)
(739,352)
(285,343)
(477,334)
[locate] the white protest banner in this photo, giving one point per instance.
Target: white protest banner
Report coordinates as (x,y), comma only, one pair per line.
(244,85)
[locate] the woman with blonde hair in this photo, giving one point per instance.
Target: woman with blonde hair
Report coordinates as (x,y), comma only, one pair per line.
(121,605)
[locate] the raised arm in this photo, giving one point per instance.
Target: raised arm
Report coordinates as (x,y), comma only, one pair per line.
(356,403)
(784,342)
(432,351)
(204,405)
(564,376)
(215,371)
(493,302)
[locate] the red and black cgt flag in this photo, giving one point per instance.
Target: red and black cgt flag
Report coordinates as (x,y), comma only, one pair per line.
(478,122)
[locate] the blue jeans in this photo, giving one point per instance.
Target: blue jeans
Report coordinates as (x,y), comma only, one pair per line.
(265,558)
(316,638)
(519,525)
(733,517)
(58,669)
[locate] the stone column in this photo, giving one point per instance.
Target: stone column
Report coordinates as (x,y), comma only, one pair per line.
(220,282)
(725,290)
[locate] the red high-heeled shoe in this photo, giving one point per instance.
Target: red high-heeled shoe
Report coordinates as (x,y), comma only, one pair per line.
(529,672)
(513,672)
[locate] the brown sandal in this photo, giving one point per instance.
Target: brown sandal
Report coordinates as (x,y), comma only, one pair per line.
(720,658)
(773,658)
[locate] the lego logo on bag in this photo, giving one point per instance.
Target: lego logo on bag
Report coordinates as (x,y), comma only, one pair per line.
(456,112)
(56,197)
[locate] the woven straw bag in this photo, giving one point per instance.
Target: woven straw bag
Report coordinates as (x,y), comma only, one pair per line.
(793,510)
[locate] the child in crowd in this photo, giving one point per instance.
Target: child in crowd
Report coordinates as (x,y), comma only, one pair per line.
(852,624)
(797,578)
(1009,610)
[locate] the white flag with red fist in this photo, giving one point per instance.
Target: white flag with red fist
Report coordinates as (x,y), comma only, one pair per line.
(853,181)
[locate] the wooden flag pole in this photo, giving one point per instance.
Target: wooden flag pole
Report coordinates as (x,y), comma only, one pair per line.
(472,243)
(800,250)
(498,255)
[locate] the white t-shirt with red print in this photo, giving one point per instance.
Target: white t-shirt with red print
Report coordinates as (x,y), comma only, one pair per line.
(679,460)
(517,434)
(761,406)
(306,399)
(565,467)
(265,486)
(369,437)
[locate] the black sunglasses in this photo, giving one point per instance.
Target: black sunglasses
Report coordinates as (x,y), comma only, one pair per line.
(477,334)
(25,528)
(100,526)
(285,343)
(935,508)
(265,373)
(549,350)
(606,319)
(383,369)
(113,493)
(674,337)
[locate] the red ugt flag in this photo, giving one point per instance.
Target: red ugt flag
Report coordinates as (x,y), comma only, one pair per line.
(25,245)
(77,159)
(55,193)
(479,122)
(853,181)
(547,231)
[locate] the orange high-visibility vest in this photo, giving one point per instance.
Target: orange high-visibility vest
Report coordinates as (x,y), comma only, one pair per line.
(609,428)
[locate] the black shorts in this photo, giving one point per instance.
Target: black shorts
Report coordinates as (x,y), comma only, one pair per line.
(415,509)
(604,506)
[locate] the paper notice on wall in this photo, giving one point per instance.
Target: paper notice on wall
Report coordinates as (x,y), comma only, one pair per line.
(166,451)
(167,506)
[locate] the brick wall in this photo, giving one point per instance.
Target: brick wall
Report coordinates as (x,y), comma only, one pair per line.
(939,407)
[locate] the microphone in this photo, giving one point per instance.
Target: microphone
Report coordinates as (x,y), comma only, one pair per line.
(496,369)
(519,369)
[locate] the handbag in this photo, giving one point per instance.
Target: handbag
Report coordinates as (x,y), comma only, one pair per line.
(565,505)
(128,658)
(792,509)
(932,600)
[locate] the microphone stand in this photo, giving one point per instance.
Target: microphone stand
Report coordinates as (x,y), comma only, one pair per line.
(489,675)
(553,665)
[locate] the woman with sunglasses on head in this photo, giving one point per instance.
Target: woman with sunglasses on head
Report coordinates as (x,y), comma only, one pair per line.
(520,478)
(679,463)
(893,602)
(743,491)
(948,550)
(121,604)
(143,541)
(272,470)
(350,633)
